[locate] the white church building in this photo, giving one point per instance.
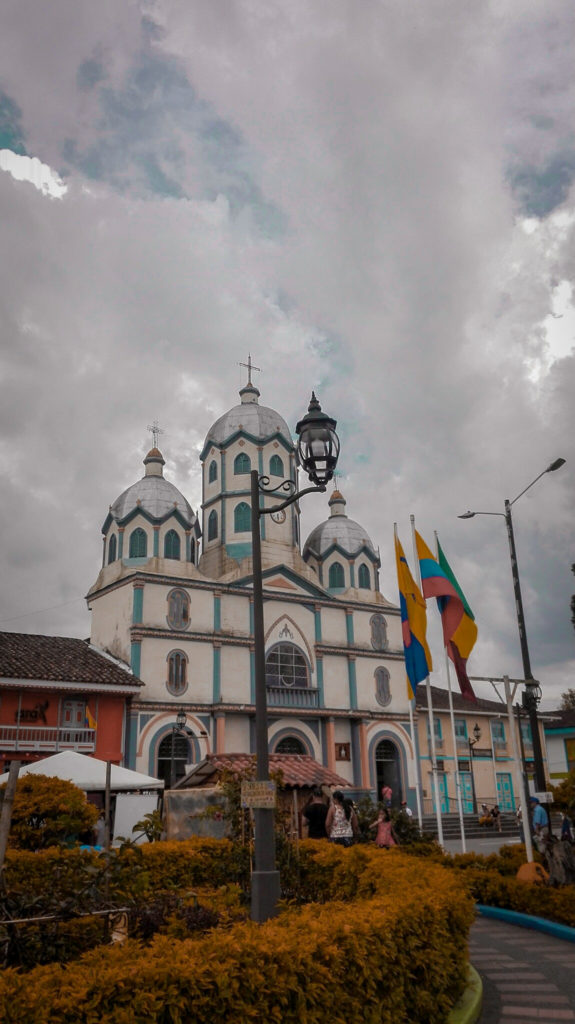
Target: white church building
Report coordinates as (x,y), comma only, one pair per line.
(173,599)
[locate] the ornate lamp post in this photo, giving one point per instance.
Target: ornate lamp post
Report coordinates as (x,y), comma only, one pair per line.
(178,728)
(317,454)
(477,735)
(532,693)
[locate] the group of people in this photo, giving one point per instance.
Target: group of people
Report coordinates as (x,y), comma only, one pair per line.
(490,817)
(338,821)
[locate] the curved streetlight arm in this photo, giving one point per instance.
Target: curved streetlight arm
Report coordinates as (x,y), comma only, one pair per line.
(288,501)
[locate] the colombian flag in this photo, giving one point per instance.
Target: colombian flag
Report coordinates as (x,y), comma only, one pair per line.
(459,629)
(89,720)
(413,623)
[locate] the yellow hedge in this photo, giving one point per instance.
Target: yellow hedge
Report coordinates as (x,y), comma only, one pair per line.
(397,956)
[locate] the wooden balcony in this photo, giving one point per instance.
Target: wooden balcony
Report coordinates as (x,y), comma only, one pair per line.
(45,738)
(292,697)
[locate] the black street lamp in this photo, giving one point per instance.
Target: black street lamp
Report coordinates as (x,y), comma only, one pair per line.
(317,454)
(532,694)
(477,734)
(178,728)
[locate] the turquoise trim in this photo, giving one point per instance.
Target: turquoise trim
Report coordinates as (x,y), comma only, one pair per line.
(138,605)
(319,673)
(352,684)
(156,543)
(297,734)
(349,626)
(222,445)
(217,612)
(318,625)
(120,544)
(136,657)
(135,561)
(252,677)
(352,574)
(239,551)
(560,732)
(538,924)
(132,741)
(217,674)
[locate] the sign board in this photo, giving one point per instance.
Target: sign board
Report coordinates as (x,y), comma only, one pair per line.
(259,795)
(544,798)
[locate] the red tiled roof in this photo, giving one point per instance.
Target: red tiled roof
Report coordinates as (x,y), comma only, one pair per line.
(440,701)
(58,658)
(298,770)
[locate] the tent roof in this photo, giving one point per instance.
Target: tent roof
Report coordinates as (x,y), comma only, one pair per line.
(88,773)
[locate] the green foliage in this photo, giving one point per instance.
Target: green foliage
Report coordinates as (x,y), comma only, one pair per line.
(564,794)
(568,698)
(50,812)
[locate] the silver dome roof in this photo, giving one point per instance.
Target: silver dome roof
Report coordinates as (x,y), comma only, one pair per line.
(251,417)
(348,534)
(156,496)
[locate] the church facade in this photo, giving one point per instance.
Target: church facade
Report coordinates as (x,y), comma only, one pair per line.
(173,599)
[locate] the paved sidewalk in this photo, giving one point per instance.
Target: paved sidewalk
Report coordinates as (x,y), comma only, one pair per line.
(527,976)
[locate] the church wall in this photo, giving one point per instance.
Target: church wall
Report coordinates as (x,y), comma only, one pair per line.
(111,621)
(235,678)
(235,614)
(333,627)
(155,653)
(335,682)
(237,733)
(155,607)
(366,684)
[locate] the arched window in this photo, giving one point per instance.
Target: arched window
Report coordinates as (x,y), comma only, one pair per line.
(242,464)
(242,518)
(290,745)
(193,551)
(138,544)
(336,576)
(112,549)
(378,632)
(173,756)
(178,609)
(286,666)
(171,545)
(177,673)
(276,466)
(364,577)
(382,687)
(212,525)
(213,471)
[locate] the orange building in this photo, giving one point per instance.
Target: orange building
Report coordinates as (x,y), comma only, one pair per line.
(60,693)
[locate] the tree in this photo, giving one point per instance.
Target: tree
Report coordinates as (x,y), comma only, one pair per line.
(50,812)
(568,700)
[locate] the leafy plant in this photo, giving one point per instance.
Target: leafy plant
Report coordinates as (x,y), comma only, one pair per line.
(50,812)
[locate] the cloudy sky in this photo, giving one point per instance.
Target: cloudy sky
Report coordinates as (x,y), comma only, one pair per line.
(374,198)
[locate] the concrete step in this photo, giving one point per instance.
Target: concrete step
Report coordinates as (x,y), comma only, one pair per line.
(451,827)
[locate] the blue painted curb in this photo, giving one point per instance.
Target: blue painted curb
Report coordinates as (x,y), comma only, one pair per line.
(538,924)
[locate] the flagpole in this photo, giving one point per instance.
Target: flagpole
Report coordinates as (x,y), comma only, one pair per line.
(429,708)
(453,735)
(416,760)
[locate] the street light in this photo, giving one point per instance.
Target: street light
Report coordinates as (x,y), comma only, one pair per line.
(178,727)
(317,454)
(532,694)
(477,734)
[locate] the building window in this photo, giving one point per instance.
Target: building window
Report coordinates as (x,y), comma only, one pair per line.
(213,471)
(112,549)
(378,627)
(461,729)
(382,687)
(526,733)
(364,578)
(242,464)
(212,525)
(138,544)
(498,733)
(276,466)
(171,545)
(336,576)
(178,609)
(173,754)
(242,518)
(436,729)
(290,745)
(286,666)
(177,673)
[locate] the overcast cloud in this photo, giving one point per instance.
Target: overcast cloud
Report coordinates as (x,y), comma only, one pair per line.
(375,199)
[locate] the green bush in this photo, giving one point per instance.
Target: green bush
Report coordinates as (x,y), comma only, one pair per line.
(50,812)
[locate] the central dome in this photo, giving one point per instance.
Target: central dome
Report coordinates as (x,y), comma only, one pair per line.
(338,530)
(152,494)
(249,417)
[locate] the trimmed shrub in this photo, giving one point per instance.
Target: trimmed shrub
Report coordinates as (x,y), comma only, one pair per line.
(50,812)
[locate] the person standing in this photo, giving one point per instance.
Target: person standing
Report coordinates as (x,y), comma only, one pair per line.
(386,795)
(385,836)
(315,813)
(340,824)
(540,823)
(496,815)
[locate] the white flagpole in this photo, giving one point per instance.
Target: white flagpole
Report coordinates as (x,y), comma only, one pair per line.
(454,737)
(414,737)
(429,710)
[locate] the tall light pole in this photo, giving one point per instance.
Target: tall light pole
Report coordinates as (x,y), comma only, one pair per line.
(477,735)
(532,694)
(317,454)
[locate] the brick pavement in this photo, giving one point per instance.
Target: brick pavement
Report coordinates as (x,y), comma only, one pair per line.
(528,977)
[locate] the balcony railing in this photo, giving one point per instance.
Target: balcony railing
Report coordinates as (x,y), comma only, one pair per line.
(43,738)
(294,697)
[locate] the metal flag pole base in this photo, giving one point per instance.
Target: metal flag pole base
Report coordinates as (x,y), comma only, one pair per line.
(265,895)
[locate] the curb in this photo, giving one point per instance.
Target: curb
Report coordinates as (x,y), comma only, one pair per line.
(468,1009)
(539,924)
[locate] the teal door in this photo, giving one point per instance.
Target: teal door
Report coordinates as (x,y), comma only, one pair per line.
(443,797)
(505,797)
(466,792)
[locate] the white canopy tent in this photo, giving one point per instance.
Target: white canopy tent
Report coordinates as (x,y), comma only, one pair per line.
(88,773)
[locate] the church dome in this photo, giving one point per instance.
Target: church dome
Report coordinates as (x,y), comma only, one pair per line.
(248,417)
(152,494)
(340,530)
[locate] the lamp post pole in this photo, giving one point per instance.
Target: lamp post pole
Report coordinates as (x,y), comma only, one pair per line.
(179,727)
(532,694)
(317,453)
(477,734)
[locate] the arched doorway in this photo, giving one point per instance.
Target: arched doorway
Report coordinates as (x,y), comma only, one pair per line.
(181,758)
(388,771)
(290,745)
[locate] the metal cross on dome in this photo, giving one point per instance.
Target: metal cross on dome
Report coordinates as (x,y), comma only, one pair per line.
(249,367)
(155,431)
